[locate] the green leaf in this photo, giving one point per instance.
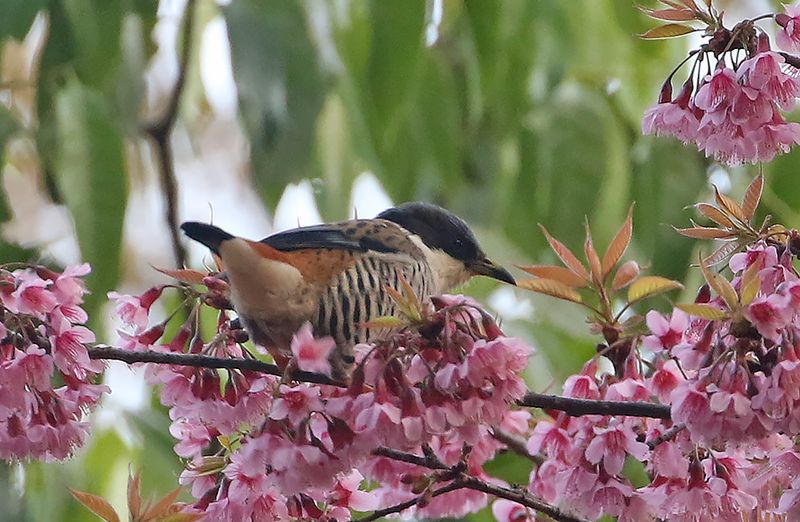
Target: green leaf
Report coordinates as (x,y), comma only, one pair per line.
(96,28)
(649,286)
(666,177)
(704,311)
(17,17)
(280,88)
(91,177)
(394,64)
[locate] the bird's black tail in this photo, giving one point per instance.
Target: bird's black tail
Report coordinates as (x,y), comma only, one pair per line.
(209,235)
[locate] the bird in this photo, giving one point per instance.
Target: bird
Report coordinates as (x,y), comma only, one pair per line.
(335,275)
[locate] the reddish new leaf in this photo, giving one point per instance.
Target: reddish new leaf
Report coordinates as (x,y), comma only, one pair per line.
(594,260)
(625,275)
(752,197)
(619,244)
(723,252)
(556,273)
(565,255)
(669,15)
(134,496)
(705,233)
(667,31)
(715,215)
(730,206)
(163,507)
(97,505)
(192,277)
(551,288)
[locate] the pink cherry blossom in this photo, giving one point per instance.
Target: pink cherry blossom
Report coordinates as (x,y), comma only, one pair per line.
(133,310)
(610,445)
(31,295)
(507,511)
(690,406)
(672,118)
(295,403)
(666,334)
(312,354)
(789,36)
(46,375)
(718,91)
(769,314)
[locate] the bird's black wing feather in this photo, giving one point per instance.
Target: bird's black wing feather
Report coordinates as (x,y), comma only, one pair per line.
(334,236)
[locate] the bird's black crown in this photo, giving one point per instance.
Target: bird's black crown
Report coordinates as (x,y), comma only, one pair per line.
(437,228)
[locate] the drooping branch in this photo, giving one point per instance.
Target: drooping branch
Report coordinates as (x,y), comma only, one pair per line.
(160,131)
(463,480)
(397,508)
(520,496)
(577,407)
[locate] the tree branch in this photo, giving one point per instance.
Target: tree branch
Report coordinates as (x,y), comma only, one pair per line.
(467,481)
(577,407)
(161,130)
(569,405)
(397,508)
(516,444)
(666,436)
(205,361)
(408,458)
(519,496)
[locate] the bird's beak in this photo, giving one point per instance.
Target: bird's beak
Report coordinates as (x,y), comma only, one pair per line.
(488,268)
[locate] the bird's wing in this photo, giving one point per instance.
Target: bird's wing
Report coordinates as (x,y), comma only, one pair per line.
(361,235)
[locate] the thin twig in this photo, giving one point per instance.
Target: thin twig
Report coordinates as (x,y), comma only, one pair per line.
(577,407)
(666,436)
(397,508)
(516,444)
(408,458)
(519,496)
(160,131)
(515,495)
(205,361)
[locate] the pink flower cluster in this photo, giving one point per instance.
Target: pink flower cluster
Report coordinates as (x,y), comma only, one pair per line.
(736,113)
(732,386)
(585,456)
(302,451)
(740,373)
(46,376)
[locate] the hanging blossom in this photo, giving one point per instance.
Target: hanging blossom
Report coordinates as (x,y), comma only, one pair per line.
(46,376)
(734,113)
(294,451)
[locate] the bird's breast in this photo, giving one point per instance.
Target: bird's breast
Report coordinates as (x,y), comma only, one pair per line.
(359,294)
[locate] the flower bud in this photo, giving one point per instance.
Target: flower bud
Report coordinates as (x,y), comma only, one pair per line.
(794,243)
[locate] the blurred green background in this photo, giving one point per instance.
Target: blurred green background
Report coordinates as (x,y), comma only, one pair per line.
(510,113)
